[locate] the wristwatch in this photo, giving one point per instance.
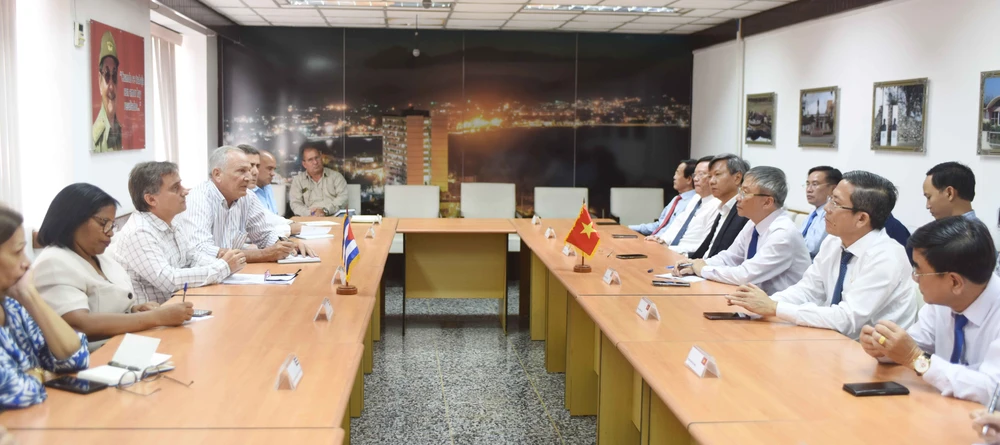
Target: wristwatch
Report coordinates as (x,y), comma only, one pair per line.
(922,364)
(326,212)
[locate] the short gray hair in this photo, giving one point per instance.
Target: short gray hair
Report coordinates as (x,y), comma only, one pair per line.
(771,181)
(873,195)
(217,160)
(146,178)
(734,164)
(248,149)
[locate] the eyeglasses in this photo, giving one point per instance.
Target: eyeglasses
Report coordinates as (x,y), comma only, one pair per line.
(109,225)
(833,205)
(744,195)
(916,276)
(150,374)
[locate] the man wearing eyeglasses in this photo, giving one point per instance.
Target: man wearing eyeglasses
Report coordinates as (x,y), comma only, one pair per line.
(107,131)
(769,250)
(955,344)
(860,275)
(819,185)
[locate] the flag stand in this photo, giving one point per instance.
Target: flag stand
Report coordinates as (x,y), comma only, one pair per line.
(346,289)
(581,268)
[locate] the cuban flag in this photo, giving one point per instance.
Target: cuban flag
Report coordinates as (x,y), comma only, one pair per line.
(351,251)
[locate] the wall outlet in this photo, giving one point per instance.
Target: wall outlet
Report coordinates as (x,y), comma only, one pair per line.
(78,38)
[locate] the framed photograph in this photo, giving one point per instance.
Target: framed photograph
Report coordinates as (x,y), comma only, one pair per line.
(989,114)
(899,115)
(760,118)
(818,117)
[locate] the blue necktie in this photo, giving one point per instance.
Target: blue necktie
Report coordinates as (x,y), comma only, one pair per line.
(684,228)
(752,250)
(956,352)
(838,290)
(812,216)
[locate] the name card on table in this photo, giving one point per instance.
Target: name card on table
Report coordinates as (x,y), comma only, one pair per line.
(536,221)
(325,311)
(647,309)
(370,234)
(289,373)
(549,233)
(701,363)
(611,277)
(568,251)
(340,276)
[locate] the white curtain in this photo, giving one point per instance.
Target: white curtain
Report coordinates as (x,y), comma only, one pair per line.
(10,184)
(165,100)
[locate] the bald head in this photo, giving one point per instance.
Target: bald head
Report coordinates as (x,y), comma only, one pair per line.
(268,165)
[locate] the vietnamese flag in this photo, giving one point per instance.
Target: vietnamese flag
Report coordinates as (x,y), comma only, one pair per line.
(583,236)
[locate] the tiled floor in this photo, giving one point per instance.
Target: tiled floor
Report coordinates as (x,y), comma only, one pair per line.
(456,379)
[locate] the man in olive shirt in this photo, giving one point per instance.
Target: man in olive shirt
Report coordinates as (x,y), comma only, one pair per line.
(318,191)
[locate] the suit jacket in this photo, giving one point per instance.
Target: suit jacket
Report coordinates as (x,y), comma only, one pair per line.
(728,229)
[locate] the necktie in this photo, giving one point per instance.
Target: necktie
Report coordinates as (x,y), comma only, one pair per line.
(752,249)
(680,235)
(956,352)
(809,223)
(711,234)
(838,290)
(666,219)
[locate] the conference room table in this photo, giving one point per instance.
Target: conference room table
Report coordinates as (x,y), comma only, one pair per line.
(255,436)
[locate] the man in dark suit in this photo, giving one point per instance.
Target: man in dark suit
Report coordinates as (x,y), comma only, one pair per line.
(727,174)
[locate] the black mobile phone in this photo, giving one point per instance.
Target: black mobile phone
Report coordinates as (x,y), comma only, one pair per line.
(630,256)
(73,384)
(876,389)
(607,223)
(623,235)
(660,283)
(202,312)
(727,316)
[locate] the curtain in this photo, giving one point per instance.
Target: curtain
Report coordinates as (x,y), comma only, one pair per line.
(165,100)
(10,185)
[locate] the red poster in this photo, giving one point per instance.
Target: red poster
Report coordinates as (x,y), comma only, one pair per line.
(118,89)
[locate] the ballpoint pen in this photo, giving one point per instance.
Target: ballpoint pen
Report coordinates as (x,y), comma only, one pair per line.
(992,408)
(184,297)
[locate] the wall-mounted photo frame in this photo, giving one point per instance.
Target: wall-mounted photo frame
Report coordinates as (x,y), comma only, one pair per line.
(760,119)
(818,117)
(989,114)
(899,115)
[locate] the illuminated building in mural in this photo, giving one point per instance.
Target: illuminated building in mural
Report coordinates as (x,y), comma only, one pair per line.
(415,148)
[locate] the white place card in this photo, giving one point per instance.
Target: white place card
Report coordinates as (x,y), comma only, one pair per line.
(340,276)
(536,221)
(289,374)
(701,363)
(325,311)
(370,234)
(611,277)
(568,251)
(549,233)
(647,309)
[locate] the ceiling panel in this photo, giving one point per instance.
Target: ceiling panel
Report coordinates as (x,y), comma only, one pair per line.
(224,3)
(533,24)
(265,3)
(410,15)
(353,12)
(481,15)
(288,12)
(715,4)
(605,18)
(479,7)
(544,16)
(761,5)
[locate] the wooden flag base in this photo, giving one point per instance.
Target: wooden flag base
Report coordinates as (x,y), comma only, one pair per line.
(347,290)
(581,268)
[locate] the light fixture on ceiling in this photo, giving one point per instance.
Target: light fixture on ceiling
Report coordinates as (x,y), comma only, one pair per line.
(418,4)
(605,9)
(416,37)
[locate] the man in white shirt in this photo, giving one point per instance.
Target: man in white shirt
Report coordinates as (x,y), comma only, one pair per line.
(696,220)
(157,255)
(860,275)
(219,213)
(819,185)
(727,175)
(955,344)
(684,184)
(769,251)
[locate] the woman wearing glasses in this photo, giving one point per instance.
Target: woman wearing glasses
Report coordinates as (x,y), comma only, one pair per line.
(33,339)
(91,291)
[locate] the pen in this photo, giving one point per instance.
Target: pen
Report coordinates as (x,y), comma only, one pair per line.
(992,408)
(184,298)
(119,365)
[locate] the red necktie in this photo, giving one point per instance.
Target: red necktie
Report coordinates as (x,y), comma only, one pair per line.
(670,213)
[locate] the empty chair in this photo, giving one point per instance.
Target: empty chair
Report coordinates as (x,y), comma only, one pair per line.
(487,200)
(633,205)
(354,197)
(411,201)
(559,202)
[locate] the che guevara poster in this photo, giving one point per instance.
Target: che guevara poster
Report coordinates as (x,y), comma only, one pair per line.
(118,89)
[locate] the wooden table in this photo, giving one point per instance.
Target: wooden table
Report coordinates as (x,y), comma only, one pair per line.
(455,258)
(252,436)
(866,430)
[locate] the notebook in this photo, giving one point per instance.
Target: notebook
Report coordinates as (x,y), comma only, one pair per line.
(112,374)
(294,259)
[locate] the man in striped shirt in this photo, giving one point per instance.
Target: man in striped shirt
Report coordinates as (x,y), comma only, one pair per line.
(219,216)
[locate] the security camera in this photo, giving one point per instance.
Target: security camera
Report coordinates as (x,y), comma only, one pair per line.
(427,4)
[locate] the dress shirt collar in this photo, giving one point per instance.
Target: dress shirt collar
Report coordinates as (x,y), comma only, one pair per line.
(252,189)
(864,243)
(724,208)
(766,222)
(980,309)
(970,215)
(820,212)
(687,195)
(154,221)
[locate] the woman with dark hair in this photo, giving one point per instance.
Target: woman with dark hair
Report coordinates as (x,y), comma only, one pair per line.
(33,338)
(90,290)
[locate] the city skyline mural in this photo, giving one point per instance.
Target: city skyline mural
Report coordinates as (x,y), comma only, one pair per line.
(529,108)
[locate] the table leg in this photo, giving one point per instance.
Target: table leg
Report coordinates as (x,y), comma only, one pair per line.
(524,286)
(345,425)
(379,313)
(615,403)
(538,288)
(358,393)
(660,426)
(581,380)
(555,335)
(367,359)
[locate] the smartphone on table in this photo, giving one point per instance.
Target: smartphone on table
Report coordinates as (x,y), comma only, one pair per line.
(75,385)
(876,389)
(727,316)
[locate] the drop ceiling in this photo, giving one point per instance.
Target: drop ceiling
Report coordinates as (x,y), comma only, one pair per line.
(690,16)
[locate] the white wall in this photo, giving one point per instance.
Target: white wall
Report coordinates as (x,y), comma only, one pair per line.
(948,42)
(55,104)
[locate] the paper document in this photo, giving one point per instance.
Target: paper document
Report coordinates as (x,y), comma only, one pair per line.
(315,230)
(137,351)
(319,224)
(254,278)
(686,279)
(294,259)
(365,219)
(308,237)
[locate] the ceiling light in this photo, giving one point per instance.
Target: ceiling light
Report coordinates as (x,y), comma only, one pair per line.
(606,9)
(372,4)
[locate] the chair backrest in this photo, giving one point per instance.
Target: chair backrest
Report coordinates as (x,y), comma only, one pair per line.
(412,201)
(487,200)
(633,205)
(354,197)
(559,202)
